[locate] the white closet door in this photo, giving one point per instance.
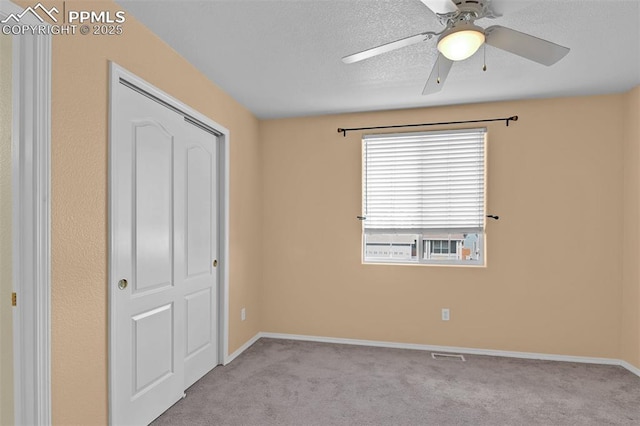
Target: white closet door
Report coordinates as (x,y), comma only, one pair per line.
(201,252)
(164,226)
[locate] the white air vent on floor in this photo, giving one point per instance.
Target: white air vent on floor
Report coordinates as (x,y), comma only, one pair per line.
(447,356)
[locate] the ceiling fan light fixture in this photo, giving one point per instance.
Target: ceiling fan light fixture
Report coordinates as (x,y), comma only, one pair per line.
(461,42)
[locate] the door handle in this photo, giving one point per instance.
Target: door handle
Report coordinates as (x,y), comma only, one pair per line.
(122,284)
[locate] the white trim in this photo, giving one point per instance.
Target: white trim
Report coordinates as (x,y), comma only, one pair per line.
(31,146)
(635,370)
(454,349)
(223,300)
(243,348)
(117,72)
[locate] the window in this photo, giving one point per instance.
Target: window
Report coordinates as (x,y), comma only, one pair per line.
(442,246)
(423,197)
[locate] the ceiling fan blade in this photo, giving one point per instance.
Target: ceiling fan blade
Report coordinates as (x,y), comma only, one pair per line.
(441,6)
(388,47)
(525,45)
(438,75)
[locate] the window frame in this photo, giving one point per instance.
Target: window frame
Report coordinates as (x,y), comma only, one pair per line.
(423,235)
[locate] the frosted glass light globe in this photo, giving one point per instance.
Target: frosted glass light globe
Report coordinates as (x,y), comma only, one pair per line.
(461,42)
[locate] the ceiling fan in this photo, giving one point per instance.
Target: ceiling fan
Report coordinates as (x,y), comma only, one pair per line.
(461,38)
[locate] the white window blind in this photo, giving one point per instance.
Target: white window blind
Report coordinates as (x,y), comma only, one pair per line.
(431,181)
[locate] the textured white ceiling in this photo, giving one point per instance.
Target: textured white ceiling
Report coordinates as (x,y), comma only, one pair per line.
(281,58)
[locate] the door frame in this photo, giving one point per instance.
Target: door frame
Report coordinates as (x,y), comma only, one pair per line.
(31,163)
(116,73)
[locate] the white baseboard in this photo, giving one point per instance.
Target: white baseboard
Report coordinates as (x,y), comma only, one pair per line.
(635,370)
(241,349)
(433,348)
(455,349)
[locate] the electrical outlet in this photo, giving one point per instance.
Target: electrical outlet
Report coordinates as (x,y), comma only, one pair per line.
(243,314)
(445,314)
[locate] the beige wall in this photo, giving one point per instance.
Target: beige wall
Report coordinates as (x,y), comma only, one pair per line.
(79,200)
(630,320)
(6,281)
(552,281)
(554,277)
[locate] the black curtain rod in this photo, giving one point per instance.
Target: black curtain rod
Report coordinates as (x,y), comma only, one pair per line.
(506,120)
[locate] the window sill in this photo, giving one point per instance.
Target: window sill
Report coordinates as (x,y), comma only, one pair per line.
(447,265)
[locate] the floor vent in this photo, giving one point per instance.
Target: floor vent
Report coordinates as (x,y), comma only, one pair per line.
(447,356)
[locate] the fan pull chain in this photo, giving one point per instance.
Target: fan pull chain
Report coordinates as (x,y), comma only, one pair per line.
(484,52)
(438,62)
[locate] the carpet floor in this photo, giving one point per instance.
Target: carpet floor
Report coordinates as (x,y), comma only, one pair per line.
(283,382)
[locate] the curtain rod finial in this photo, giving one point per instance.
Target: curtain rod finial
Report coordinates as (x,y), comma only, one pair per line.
(343,131)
